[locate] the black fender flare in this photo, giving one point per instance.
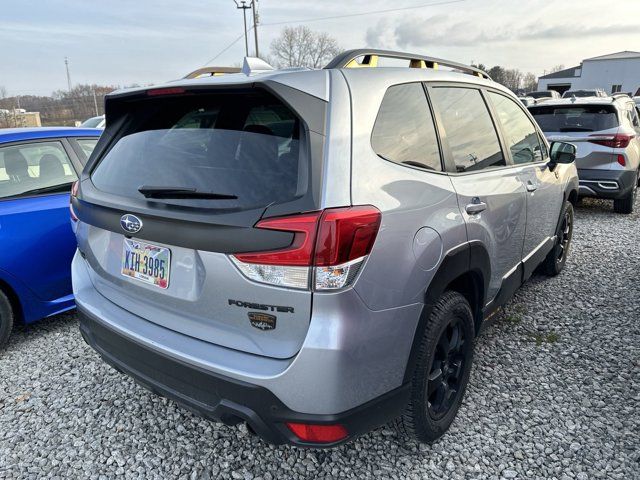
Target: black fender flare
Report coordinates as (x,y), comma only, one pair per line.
(469,258)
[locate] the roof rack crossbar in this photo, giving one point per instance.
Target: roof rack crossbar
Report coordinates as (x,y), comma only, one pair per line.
(349,59)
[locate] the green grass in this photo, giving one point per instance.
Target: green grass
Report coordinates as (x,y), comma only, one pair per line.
(540,338)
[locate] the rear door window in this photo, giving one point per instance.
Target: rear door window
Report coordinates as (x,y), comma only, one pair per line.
(36,168)
(519,132)
(470,133)
(575,118)
(236,145)
(404,131)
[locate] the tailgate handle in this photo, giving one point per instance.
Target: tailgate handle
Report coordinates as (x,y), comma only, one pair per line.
(531,187)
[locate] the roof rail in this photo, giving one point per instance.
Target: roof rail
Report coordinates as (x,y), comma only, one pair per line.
(370,57)
(620,94)
(211,72)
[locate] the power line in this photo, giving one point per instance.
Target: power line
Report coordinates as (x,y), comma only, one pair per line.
(229,46)
(432,4)
(307,20)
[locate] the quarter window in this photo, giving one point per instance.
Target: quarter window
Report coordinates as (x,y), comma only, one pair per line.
(35,168)
(472,138)
(87,145)
(520,133)
(404,131)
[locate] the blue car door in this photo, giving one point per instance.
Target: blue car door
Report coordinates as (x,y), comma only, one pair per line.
(35,232)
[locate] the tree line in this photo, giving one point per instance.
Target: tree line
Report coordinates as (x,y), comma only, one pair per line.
(62,107)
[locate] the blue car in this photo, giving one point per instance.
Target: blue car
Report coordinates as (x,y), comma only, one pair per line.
(37,169)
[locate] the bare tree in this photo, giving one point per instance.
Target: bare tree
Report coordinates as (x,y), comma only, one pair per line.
(557,68)
(529,82)
(302,47)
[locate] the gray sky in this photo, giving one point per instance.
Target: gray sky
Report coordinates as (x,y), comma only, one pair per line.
(121,42)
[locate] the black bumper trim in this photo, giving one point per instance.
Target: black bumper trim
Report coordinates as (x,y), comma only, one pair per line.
(224,399)
(589,178)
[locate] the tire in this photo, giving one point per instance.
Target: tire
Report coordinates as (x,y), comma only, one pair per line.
(557,257)
(428,416)
(625,205)
(6,319)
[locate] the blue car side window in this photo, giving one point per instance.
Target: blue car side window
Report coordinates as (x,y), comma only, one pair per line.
(35,168)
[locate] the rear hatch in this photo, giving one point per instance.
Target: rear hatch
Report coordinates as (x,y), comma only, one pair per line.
(176,185)
(592,128)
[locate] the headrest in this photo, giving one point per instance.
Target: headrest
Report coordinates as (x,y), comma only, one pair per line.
(15,164)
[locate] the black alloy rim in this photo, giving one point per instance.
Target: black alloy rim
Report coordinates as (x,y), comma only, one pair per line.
(565,236)
(445,377)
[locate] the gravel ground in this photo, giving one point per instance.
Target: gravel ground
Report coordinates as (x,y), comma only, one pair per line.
(554,393)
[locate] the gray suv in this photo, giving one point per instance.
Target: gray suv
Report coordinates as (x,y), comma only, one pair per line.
(606,132)
(313,252)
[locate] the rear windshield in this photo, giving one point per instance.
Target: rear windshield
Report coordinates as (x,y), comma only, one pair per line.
(578,118)
(235,145)
(580,93)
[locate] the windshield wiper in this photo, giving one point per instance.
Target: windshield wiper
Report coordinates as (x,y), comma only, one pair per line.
(61,188)
(181,192)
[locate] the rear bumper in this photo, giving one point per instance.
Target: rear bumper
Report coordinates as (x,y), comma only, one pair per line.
(611,184)
(225,399)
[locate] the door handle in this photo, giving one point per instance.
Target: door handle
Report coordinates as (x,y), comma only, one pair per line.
(476,206)
(531,187)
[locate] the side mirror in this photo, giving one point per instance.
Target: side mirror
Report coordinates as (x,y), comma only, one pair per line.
(561,153)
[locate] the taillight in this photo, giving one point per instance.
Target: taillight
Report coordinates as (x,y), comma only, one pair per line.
(74,194)
(621,160)
(327,250)
(318,433)
(165,91)
(619,140)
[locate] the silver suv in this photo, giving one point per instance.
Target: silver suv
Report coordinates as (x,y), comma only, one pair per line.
(313,252)
(606,132)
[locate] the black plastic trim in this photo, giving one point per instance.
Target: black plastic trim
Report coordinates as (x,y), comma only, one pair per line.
(625,179)
(224,399)
(212,237)
(471,257)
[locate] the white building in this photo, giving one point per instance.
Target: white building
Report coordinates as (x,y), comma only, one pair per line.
(616,72)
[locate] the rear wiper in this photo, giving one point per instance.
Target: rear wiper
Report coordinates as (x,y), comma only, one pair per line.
(181,192)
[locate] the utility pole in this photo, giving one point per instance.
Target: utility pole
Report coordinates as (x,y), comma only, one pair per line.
(95,101)
(66,64)
(244,7)
(254,7)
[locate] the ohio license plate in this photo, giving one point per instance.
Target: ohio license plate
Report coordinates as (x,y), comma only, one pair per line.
(146,262)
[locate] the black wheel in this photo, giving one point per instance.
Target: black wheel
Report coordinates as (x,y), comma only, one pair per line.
(6,319)
(625,205)
(557,257)
(442,370)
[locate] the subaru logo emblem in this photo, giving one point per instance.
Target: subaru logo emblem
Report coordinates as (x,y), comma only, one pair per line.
(130,223)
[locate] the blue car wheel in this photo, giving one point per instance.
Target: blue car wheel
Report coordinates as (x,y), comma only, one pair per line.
(6,319)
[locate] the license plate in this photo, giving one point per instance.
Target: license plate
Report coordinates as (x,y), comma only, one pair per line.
(146,262)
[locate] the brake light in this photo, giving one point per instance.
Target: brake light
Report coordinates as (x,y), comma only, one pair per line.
(318,433)
(619,140)
(165,91)
(300,252)
(331,245)
(74,194)
(621,160)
